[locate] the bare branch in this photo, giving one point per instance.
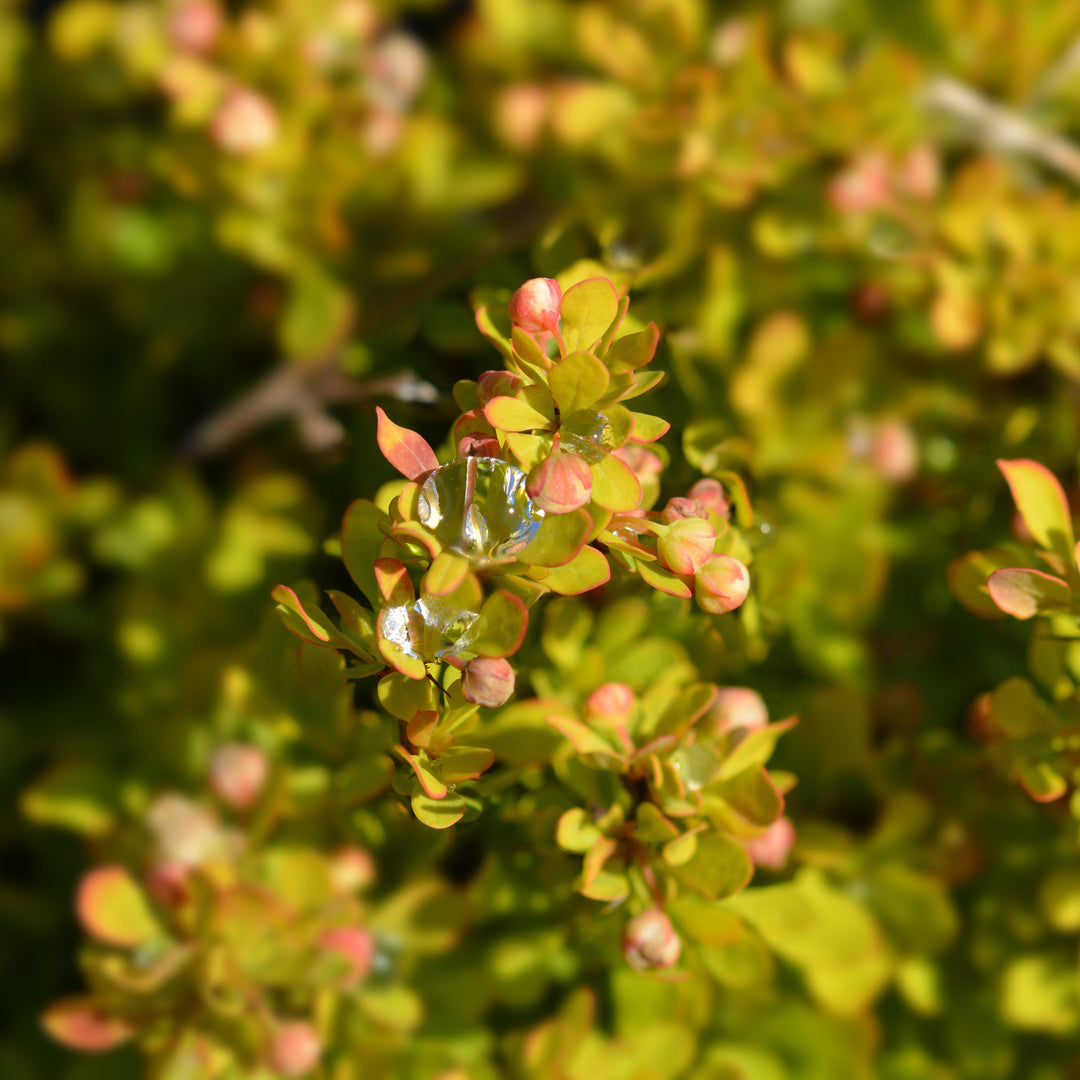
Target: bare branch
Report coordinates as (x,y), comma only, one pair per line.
(1002,129)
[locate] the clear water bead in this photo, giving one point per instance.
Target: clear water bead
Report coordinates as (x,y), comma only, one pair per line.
(588,434)
(478,508)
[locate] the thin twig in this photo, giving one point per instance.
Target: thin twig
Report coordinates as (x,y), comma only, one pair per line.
(1002,129)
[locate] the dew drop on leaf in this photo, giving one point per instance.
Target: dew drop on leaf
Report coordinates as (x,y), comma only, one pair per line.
(588,434)
(478,508)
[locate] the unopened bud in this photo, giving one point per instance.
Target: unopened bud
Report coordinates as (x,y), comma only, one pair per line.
(650,941)
(168,884)
(295,1048)
(679,508)
(356,945)
(560,483)
(245,122)
(488,682)
(351,869)
(612,701)
(862,186)
(772,848)
(397,67)
(894,452)
(194,26)
(535,306)
(722,584)
(709,495)
(238,774)
(738,707)
(520,113)
(687,546)
(919,173)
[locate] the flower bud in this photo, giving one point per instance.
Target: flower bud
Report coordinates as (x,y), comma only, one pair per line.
(560,483)
(357,945)
(294,1049)
(168,884)
(894,453)
(245,122)
(488,682)
(238,774)
(709,496)
(650,941)
(194,26)
(351,869)
(535,306)
(772,848)
(722,584)
(397,67)
(738,707)
(679,508)
(862,186)
(687,546)
(612,701)
(919,173)
(519,114)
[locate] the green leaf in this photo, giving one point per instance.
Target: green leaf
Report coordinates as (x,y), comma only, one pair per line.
(615,487)
(1025,593)
(114,909)
(457,763)
(1041,993)
(445,574)
(532,409)
(663,580)
(652,826)
(438,813)
(311,626)
(1016,709)
(587,310)
(634,350)
(587,570)
(501,626)
(558,540)
(752,795)
(363,530)
(487,327)
(576,831)
(755,749)
(1042,504)
(432,786)
(73,797)
(396,1007)
(968,577)
(647,429)
(403,697)
(583,739)
(720,867)
(578,382)
(532,362)
(1041,782)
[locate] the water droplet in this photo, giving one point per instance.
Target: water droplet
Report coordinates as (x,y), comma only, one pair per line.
(697,764)
(589,434)
(890,238)
(429,629)
(478,508)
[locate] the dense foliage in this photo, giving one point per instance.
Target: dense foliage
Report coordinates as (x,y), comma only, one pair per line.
(517,807)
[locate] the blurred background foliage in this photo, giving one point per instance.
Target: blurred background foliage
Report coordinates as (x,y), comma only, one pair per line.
(230,229)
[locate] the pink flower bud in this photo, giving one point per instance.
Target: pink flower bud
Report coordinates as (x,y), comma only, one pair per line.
(488,682)
(351,869)
(397,67)
(738,707)
(356,945)
(772,848)
(238,774)
(560,483)
(245,122)
(919,173)
(194,26)
(687,546)
(650,941)
(519,114)
(535,306)
(678,508)
(722,584)
(167,883)
(612,701)
(294,1049)
(708,495)
(863,185)
(894,453)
